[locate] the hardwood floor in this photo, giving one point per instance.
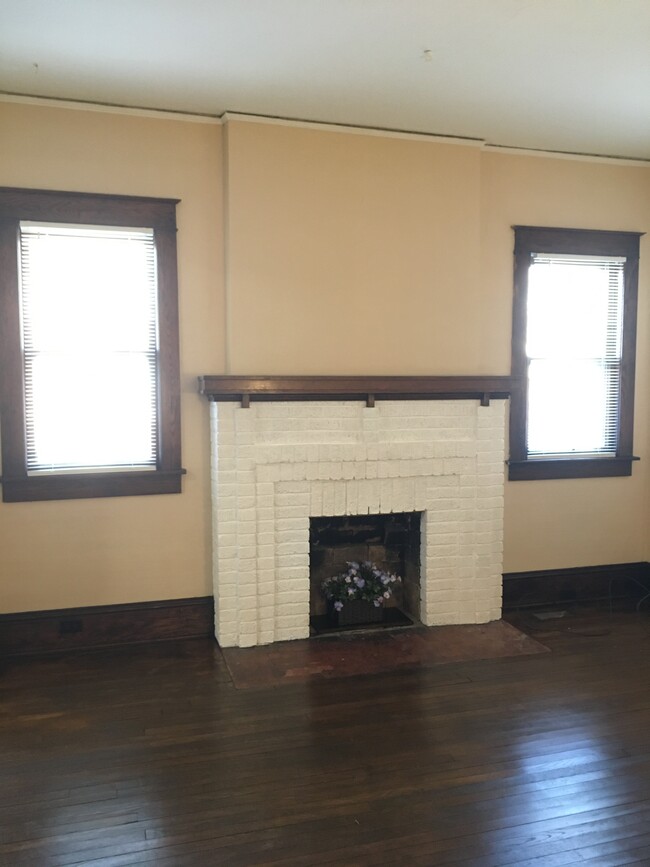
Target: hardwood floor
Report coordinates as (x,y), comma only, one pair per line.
(149,755)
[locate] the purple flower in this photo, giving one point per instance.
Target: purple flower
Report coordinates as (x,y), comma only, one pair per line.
(361,580)
(338,605)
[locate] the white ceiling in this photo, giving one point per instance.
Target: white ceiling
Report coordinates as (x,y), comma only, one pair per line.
(569,75)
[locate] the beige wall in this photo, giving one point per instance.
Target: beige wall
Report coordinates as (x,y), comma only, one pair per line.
(92,552)
(581,522)
(335,244)
(346,253)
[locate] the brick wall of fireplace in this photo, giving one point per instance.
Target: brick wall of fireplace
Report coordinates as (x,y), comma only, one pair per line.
(278,464)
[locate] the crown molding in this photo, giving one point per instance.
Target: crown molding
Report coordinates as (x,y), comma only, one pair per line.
(104,108)
(349,129)
(566,155)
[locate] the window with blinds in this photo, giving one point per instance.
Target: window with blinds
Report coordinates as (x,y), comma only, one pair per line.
(90,347)
(574,349)
(573,353)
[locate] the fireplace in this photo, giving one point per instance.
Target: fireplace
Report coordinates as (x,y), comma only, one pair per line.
(307,450)
(391,541)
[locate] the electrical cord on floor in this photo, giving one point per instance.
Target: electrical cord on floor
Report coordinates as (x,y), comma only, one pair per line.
(642,600)
(640,584)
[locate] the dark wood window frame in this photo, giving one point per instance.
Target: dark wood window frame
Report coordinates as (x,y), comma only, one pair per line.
(17,205)
(585,242)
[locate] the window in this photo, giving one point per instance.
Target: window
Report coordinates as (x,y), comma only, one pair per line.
(89,346)
(573,353)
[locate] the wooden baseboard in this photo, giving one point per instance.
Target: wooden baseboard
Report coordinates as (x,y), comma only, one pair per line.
(580,585)
(105,625)
(133,623)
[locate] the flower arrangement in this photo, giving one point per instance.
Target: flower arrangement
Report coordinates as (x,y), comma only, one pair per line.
(360,581)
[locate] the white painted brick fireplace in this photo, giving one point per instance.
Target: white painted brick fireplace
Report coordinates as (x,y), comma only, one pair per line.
(277,464)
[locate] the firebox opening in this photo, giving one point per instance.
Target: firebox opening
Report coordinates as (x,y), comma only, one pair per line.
(391,541)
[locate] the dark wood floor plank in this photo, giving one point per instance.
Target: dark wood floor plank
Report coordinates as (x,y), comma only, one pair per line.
(150,756)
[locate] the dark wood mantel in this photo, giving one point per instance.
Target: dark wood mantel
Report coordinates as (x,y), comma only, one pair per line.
(366,388)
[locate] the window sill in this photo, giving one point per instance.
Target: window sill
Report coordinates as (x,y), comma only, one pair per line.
(75,486)
(570,468)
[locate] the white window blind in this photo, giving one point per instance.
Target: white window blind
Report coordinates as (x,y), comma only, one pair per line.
(573,348)
(90,346)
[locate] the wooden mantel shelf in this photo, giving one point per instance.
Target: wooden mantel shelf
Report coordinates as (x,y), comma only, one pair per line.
(366,388)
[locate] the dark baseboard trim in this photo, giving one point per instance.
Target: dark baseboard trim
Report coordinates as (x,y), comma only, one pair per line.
(579,585)
(30,632)
(105,625)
